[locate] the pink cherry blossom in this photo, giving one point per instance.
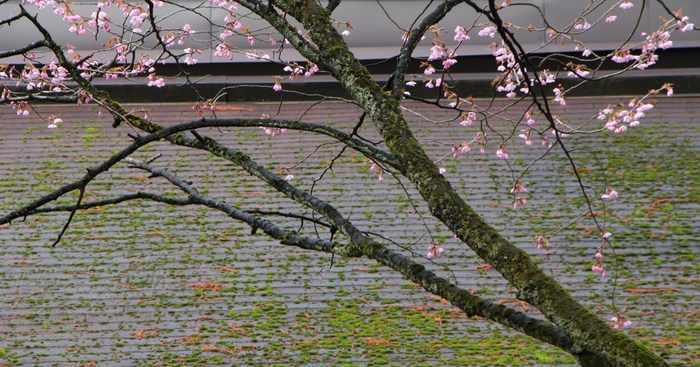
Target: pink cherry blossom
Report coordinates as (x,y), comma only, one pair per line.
(189,57)
(278,84)
(437,52)
(644,107)
(488,31)
(460,34)
(54,122)
(526,136)
(619,322)
(155,81)
(626,5)
(468,118)
(559,95)
(434,249)
(612,195)
(599,270)
(582,26)
(541,241)
(502,153)
(311,69)
(273,131)
(447,63)
(529,119)
(669,89)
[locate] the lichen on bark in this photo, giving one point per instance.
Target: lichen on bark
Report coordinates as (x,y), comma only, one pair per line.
(596,342)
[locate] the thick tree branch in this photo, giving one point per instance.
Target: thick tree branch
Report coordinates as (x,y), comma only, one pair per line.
(139,141)
(577,330)
(158,132)
(332,4)
(22,50)
(284,236)
(471,304)
(590,332)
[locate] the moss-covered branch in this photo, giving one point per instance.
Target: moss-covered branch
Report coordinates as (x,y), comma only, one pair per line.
(472,305)
(592,335)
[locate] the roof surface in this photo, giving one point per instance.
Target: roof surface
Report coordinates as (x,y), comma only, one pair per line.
(142,284)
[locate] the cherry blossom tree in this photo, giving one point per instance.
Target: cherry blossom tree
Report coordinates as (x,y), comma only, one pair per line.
(133,38)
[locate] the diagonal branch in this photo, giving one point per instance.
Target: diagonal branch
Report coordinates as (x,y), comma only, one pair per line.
(471,304)
(332,4)
(113,201)
(11,19)
(594,336)
(255,222)
(22,50)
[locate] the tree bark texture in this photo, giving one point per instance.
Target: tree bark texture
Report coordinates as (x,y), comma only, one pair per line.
(595,342)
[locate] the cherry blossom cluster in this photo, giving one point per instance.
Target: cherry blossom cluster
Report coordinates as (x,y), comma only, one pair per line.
(598,266)
(526,133)
(49,78)
(434,250)
(21,107)
(619,117)
(642,59)
(619,322)
(512,76)
(40,4)
(54,122)
(439,52)
(657,40)
(466,146)
(136,15)
(272,131)
(295,70)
